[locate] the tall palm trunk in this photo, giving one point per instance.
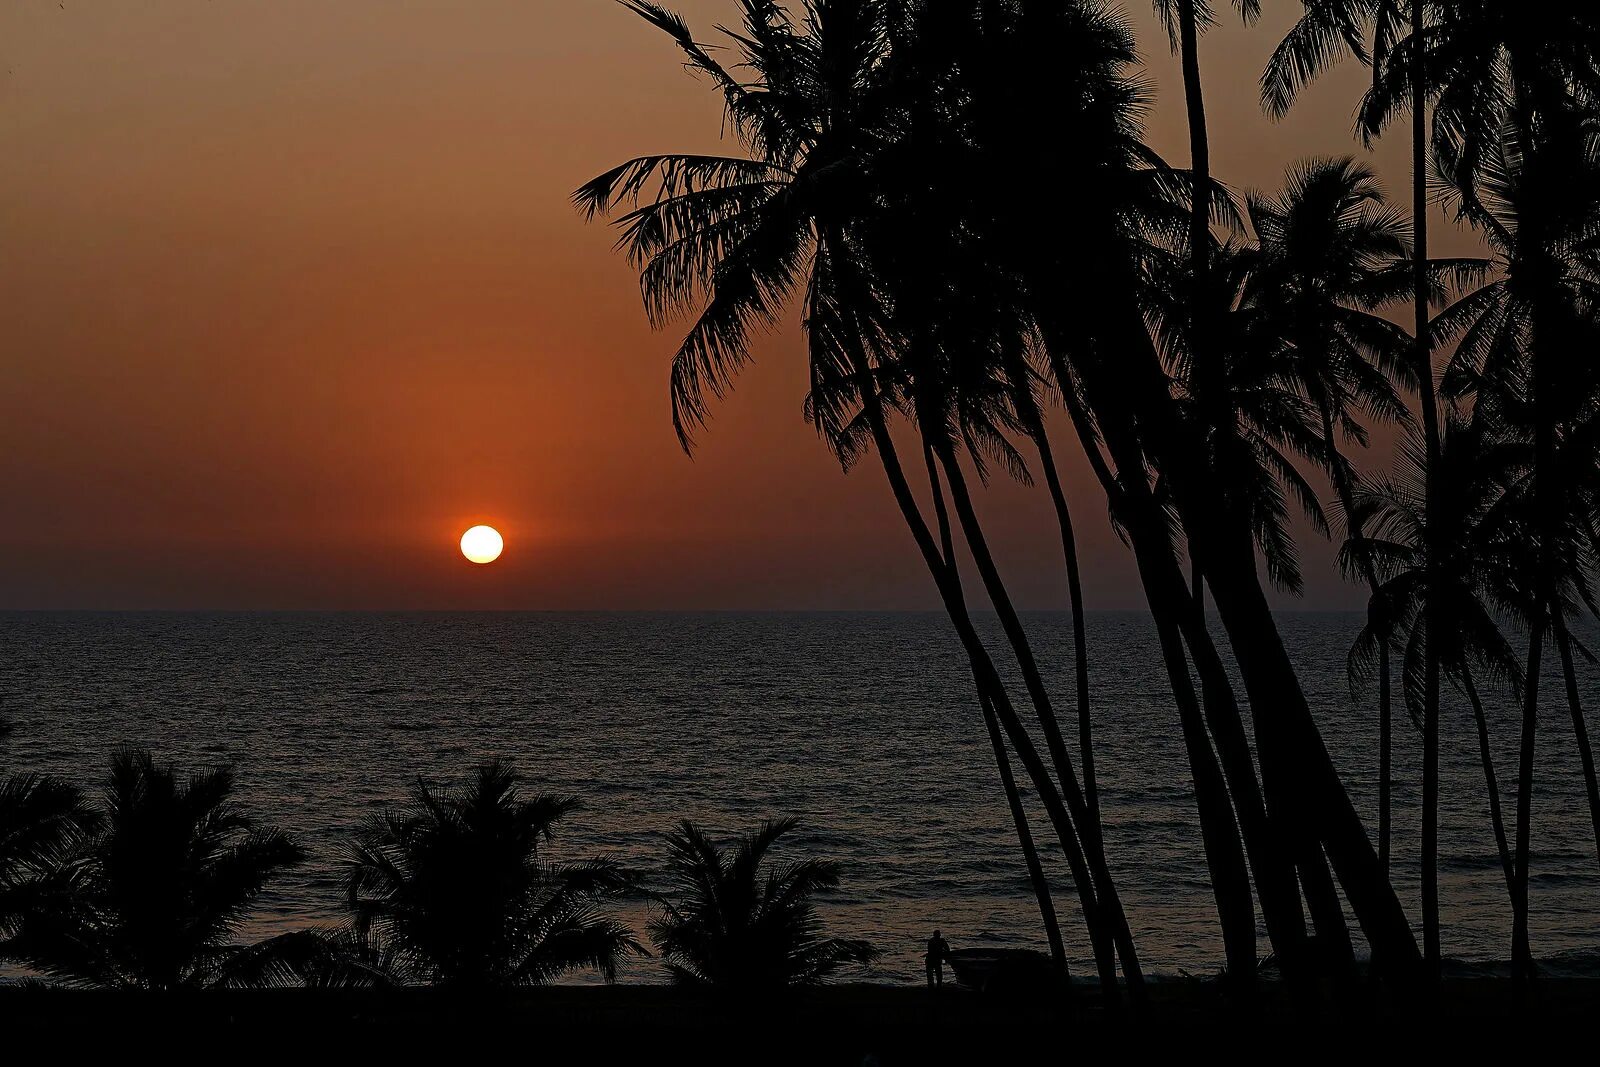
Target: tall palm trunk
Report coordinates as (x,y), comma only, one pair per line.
(1199,152)
(1385,758)
(1580,729)
(1296,767)
(1521,949)
(1323,900)
(1008,783)
(1491,783)
(1430,428)
(988,682)
(1168,600)
(1199,223)
(1230,875)
(1302,785)
(1033,681)
(1030,853)
(1167,595)
(1080,641)
(1032,420)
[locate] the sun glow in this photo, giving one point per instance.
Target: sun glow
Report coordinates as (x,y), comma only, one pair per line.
(482,544)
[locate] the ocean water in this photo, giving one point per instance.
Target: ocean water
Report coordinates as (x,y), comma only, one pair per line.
(862,725)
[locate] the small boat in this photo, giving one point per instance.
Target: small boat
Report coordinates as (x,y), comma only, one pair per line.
(1001,968)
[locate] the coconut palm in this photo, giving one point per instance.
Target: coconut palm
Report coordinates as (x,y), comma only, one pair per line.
(1132,405)
(42,821)
(1490,65)
(155,897)
(737,919)
(1469,570)
(1330,256)
(453,888)
(1533,202)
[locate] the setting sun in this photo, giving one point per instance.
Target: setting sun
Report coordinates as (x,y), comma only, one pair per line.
(482,544)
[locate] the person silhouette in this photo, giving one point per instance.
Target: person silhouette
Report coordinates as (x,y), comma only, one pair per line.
(938,952)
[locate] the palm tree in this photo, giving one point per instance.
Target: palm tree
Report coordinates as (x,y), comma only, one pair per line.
(1130,400)
(819,114)
(737,922)
(43,820)
(1493,67)
(453,888)
(1330,255)
(997,742)
(1249,410)
(1469,570)
(1533,202)
(154,898)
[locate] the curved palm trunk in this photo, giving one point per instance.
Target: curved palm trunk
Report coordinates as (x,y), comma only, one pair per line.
(1580,729)
(1168,598)
(1220,829)
(1486,757)
(1199,221)
(1385,758)
(1030,853)
(1521,950)
(1430,427)
(1220,834)
(1008,783)
(1033,681)
(1305,796)
(1292,748)
(989,683)
(1297,766)
(1080,641)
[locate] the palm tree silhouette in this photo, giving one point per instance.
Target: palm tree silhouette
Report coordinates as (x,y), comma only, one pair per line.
(43,821)
(1330,256)
(1529,192)
(735,920)
(1493,70)
(1472,582)
(454,889)
(154,898)
(1496,73)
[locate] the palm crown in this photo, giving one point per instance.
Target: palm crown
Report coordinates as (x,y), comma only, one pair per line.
(156,897)
(454,888)
(735,919)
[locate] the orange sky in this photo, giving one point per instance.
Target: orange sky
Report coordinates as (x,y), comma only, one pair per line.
(291,293)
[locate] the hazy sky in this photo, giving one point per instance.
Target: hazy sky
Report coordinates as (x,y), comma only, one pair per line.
(291,293)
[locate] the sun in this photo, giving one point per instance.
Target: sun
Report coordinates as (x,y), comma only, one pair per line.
(482,544)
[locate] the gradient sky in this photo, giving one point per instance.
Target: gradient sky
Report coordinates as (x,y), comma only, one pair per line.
(291,293)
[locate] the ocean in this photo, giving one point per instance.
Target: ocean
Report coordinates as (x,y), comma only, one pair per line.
(862,725)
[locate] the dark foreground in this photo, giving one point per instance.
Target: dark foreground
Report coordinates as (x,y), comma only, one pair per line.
(837,1025)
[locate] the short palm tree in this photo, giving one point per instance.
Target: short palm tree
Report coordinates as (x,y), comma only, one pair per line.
(155,897)
(737,921)
(454,889)
(42,821)
(1469,571)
